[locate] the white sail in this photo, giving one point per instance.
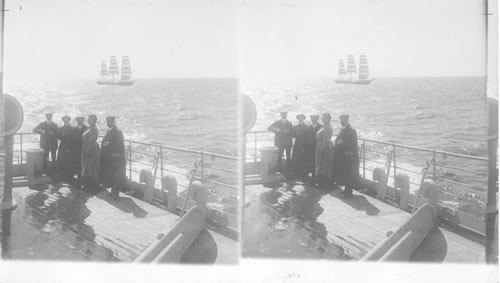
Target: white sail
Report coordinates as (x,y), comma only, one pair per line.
(351,65)
(104,69)
(341,68)
(126,71)
(113,66)
(363,68)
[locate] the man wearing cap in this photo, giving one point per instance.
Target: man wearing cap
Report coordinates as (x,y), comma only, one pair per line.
(77,144)
(112,163)
(282,138)
(310,146)
(346,159)
(65,163)
(299,165)
(48,139)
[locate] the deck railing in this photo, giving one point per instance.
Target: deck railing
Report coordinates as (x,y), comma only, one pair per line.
(218,171)
(459,176)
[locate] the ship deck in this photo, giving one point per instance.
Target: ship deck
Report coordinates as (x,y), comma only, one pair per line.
(60,222)
(442,245)
(294,220)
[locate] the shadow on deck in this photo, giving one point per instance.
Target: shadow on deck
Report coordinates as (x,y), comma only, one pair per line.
(59,222)
(298,221)
(442,245)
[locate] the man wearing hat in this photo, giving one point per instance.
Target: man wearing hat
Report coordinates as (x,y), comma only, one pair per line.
(48,139)
(77,145)
(65,162)
(112,162)
(299,165)
(310,145)
(282,138)
(346,159)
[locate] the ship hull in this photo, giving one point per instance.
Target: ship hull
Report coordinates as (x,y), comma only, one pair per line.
(363,82)
(343,82)
(104,83)
(358,82)
(125,83)
(121,83)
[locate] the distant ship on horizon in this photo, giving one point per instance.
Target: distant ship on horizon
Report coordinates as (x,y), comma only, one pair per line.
(126,72)
(351,69)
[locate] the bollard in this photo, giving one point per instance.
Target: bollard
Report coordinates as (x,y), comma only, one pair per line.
(381,178)
(268,162)
(146,177)
(200,194)
(430,191)
(402,181)
(169,183)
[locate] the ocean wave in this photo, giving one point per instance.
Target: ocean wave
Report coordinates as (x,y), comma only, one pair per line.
(472,151)
(371,134)
(145,112)
(428,115)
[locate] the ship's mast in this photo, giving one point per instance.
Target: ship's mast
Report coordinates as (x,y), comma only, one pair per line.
(351,65)
(7,204)
(3,139)
(113,67)
(126,71)
(341,69)
(104,70)
(491,209)
(363,68)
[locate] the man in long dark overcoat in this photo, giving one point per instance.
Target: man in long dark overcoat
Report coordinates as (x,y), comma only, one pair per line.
(299,165)
(65,163)
(112,160)
(310,146)
(77,145)
(346,159)
(282,138)
(48,139)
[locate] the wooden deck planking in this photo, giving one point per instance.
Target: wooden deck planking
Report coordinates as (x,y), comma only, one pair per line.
(360,222)
(85,227)
(129,233)
(354,225)
(294,221)
(228,250)
(442,245)
(255,179)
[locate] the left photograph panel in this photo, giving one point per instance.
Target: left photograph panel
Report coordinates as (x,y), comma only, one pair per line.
(120,131)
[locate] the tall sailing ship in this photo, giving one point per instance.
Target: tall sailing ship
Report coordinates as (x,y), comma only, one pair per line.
(126,72)
(363,75)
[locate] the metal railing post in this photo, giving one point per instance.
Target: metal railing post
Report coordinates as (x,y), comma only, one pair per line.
(161,163)
(254,149)
(202,171)
(434,165)
(130,160)
(364,158)
(21,147)
(394,159)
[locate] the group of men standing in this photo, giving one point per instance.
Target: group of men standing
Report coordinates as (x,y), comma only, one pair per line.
(309,150)
(74,151)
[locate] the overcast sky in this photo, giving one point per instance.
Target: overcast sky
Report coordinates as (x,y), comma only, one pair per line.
(164,38)
(400,37)
(273,38)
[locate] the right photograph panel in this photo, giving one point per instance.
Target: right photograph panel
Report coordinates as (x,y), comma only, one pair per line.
(370,140)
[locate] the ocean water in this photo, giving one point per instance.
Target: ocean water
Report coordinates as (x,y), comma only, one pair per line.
(447,114)
(197,114)
(192,114)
